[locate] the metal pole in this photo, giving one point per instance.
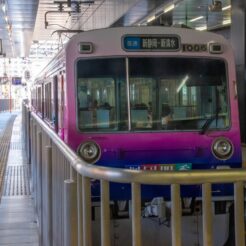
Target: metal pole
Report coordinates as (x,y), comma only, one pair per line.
(136,215)
(49,225)
(31,154)
(239,214)
(39,185)
(70,213)
(207,214)
(86,190)
(176,215)
(80,210)
(28,140)
(105,214)
(128,94)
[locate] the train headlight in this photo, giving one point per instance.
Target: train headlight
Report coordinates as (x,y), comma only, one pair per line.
(222,148)
(89,152)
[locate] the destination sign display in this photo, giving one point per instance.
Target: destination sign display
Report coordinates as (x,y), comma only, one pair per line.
(151,43)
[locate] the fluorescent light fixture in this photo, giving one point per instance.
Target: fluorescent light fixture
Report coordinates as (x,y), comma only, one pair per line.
(169,8)
(183,82)
(226,7)
(201,28)
(151,18)
(4,7)
(226,22)
(197,18)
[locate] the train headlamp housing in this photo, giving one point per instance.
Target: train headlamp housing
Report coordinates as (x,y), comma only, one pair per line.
(222,148)
(215,48)
(89,151)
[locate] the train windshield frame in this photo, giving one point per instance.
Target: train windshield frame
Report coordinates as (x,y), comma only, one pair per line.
(152,94)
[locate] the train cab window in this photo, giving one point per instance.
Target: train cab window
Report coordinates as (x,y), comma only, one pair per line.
(178,93)
(165,94)
(101,95)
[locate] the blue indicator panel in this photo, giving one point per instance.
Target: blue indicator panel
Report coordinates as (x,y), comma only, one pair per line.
(16,80)
(151,43)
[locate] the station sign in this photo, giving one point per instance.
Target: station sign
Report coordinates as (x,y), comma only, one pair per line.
(16,80)
(151,43)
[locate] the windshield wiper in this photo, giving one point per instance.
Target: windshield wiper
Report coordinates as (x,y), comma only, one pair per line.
(208,122)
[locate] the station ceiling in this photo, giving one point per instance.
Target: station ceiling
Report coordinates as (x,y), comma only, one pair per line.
(36,28)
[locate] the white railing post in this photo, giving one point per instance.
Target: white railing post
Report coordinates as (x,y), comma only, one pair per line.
(70,213)
(80,209)
(176,215)
(48,192)
(207,214)
(105,214)
(136,215)
(239,214)
(87,230)
(39,185)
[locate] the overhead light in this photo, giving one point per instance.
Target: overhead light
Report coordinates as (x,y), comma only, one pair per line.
(183,82)
(197,18)
(226,22)
(6,18)
(169,8)
(151,18)
(226,7)
(4,7)
(201,28)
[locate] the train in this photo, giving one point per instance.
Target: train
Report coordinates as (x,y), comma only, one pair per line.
(147,98)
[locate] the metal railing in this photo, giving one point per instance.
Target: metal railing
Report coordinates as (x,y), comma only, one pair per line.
(62,192)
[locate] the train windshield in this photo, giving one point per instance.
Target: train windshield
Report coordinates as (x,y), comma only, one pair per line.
(152,94)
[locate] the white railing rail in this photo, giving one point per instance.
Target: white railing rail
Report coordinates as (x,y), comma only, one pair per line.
(62,192)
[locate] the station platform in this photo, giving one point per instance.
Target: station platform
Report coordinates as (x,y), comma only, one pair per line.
(18,221)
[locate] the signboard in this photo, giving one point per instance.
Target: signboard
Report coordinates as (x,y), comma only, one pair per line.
(16,80)
(151,43)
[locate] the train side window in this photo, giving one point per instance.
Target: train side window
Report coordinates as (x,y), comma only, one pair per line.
(47,101)
(60,106)
(39,99)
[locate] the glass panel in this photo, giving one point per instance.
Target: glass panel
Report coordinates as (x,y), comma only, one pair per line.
(101,94)
(141,98)
(178,93)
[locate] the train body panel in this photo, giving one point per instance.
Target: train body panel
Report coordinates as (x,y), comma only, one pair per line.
(131,78)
